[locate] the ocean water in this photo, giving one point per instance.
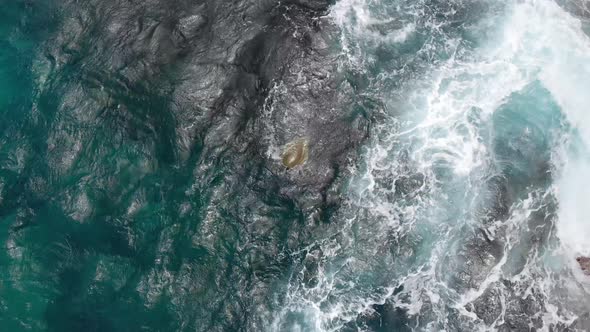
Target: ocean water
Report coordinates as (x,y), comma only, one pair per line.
(142,188)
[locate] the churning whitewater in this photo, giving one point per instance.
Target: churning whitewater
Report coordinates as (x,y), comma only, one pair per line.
(468,210)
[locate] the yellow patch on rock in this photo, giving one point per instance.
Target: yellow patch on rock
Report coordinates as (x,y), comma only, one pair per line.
(295,153)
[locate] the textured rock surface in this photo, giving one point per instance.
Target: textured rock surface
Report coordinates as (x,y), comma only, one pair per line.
(584,264)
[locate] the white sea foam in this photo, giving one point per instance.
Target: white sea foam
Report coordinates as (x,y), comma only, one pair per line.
(552,45)
(436,131)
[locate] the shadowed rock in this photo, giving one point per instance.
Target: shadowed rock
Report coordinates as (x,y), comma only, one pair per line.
(584,264)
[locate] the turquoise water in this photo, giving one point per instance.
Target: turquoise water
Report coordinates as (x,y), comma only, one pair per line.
(141,187)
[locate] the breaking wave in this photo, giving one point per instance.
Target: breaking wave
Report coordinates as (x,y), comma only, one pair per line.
(467,210)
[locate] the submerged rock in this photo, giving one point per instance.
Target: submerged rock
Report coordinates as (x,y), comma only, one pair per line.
(295,153)
(584,264)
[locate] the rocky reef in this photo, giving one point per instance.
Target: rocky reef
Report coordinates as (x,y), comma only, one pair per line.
(163,124)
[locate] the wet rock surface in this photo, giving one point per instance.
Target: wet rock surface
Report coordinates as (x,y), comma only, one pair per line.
(161,125)
(584,264)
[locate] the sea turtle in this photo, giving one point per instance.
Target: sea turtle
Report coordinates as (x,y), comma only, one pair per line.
(295,153)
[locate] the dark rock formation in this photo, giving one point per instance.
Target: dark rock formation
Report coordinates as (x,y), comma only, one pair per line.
(197,99)
(584,264)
